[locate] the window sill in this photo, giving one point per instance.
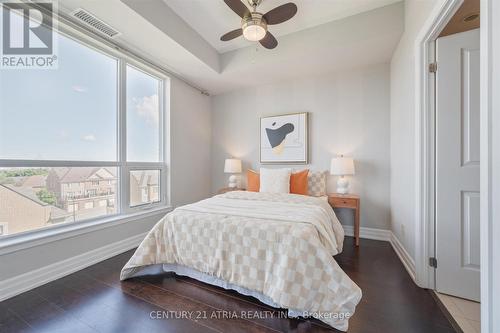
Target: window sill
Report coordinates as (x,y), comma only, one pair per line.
(34,238)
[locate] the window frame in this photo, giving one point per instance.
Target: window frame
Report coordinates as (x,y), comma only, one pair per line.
(124,211)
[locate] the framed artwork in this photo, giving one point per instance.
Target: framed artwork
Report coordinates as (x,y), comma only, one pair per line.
(283,139)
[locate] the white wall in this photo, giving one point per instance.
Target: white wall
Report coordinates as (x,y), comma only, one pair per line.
(190,125)
(190,146)
(349,114)
(402,129)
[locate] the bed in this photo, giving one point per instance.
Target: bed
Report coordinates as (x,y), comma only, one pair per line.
(275,247)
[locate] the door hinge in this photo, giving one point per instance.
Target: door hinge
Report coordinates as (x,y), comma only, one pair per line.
(433,262)
(433,67)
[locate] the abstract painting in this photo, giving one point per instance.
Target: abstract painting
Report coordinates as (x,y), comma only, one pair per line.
(283,139)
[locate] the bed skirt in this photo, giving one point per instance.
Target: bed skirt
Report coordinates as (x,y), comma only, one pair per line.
(210,279)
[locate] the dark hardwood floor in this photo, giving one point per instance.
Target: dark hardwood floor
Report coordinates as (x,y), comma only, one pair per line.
(94,300)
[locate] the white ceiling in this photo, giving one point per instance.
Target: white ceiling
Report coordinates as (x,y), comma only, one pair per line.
(157,32)
(213,18)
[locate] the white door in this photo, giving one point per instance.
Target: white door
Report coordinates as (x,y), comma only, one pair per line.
(457,165)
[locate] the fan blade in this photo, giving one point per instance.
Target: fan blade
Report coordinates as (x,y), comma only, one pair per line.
(281,13)
(238,7)
(269,42)
(231,35)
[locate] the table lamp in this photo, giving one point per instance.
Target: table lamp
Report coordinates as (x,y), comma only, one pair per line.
(342,166)
(232,166)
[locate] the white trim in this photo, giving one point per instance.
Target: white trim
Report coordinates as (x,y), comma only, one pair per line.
(368,233)
(27,281)
(52,234)
(424,142)
(403,255)
(490,166)
(387,236)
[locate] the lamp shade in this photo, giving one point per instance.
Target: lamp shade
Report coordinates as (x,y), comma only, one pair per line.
(232,165)
(341,166)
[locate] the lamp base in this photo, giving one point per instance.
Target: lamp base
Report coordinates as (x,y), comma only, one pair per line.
(342,185)
(232,181)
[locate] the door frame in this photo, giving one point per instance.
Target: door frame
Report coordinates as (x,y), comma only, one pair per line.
(490,166)
(425,242)
(490,156)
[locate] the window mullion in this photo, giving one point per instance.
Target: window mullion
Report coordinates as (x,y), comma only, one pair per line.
(122,136)
(161,99)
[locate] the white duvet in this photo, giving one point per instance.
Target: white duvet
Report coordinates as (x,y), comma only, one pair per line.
(280,245)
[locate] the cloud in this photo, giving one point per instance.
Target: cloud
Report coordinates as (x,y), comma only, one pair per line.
(79,89)
(147,108)
(89,137)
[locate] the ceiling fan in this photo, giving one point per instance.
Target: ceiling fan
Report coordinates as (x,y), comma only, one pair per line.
(254,24)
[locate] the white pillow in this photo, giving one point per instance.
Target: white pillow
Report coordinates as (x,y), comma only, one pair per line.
(275,180)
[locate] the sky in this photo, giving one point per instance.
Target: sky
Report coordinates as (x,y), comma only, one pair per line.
(70,113)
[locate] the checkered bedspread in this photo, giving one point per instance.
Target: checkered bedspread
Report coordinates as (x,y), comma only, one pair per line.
(280,245)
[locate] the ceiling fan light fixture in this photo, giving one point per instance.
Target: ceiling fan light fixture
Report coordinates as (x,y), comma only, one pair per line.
(254,33)
(254,24)
(254,27)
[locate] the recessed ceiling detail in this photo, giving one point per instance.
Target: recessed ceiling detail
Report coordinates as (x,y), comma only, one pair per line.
(213,18)
(314,42)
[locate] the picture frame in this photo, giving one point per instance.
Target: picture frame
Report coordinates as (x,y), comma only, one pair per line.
(284,139)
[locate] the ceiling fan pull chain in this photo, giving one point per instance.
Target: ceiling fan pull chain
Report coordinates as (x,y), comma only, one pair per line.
(254,54)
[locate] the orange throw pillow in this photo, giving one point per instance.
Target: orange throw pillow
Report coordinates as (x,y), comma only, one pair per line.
(298,182)
(253,181)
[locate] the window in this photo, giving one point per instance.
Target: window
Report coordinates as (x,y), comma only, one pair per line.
(91,193)
(64,155)
(65,114)
(143,116)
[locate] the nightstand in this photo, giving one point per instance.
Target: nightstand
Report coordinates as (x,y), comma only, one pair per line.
(337,200)
(229,189)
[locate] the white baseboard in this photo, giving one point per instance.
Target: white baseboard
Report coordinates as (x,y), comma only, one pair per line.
(388,236)
(403,255)
(369,233)
(27,281)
